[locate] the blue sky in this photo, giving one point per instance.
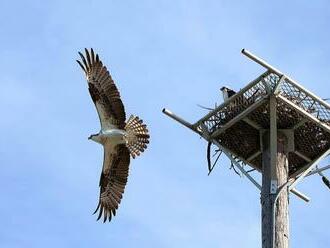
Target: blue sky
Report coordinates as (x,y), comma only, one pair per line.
(174,54)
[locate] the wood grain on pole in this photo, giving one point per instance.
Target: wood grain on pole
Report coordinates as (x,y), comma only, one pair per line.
(281,220)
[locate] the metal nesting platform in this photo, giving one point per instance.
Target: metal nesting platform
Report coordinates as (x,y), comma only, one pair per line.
(237,123)
(236,126)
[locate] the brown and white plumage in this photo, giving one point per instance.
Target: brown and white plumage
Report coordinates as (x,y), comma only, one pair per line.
(119,138)
(103,91)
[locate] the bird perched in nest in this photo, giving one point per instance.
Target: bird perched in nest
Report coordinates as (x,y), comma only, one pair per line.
(119,138)
(227,93)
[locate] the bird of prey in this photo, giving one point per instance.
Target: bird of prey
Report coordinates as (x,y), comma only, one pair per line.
(119,138)
(227,93)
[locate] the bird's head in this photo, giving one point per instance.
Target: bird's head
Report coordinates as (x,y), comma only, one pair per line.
(95,137)
(224,88)
(227,92)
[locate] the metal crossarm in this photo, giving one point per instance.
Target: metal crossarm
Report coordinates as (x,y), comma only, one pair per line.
(318,170)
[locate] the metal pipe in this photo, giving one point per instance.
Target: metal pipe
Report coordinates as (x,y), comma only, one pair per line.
(261,62)
(309,168)
(303,156)
(179,119)
(278,84)
(299,124)
(318,170)
(252,123)
(237,164)
(273,137)
(279,73)
(300,195)
(253,156)
(298,172)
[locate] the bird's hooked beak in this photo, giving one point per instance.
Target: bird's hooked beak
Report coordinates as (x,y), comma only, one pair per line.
(95,138)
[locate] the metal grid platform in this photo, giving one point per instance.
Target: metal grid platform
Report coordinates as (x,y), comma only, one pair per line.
(236,123)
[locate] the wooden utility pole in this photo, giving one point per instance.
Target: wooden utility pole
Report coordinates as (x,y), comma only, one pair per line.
(275,224)
(279,218)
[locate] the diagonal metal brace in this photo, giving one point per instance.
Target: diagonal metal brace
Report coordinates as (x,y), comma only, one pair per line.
(309,168)
(204,133)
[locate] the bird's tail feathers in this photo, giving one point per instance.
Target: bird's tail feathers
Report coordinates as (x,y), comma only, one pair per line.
(137,136)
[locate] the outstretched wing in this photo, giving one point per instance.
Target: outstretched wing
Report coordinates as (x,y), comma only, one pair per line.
(103,91)
(113,180)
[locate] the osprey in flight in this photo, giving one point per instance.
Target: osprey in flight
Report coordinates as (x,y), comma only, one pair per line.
(119,138)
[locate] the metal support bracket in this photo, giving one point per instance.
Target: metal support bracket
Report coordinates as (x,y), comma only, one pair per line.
(278,84)
(273,136)
(308,169)
(203,133)
(318,170)
(273,186)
